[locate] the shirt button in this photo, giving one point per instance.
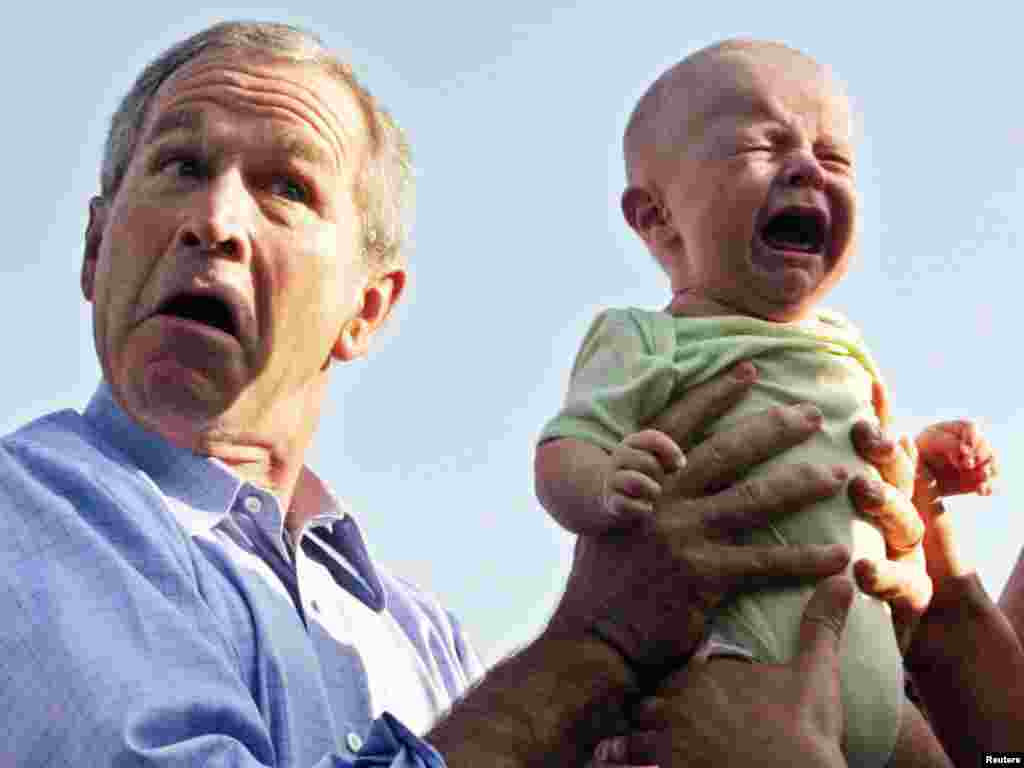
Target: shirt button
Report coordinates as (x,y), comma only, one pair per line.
(315,606)
(355,742)
(253,504)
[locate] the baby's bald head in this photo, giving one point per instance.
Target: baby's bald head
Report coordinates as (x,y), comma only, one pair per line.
(740,169)
(675,106)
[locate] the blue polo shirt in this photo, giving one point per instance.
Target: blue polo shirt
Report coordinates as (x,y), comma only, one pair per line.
(154,611)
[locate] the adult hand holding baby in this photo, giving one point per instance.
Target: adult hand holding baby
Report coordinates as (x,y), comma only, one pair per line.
(946,459)
(662,727)
(648,589)
(965,658)
(697,718)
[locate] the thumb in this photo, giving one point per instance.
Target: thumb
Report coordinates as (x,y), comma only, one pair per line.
(822,627)
(817,664)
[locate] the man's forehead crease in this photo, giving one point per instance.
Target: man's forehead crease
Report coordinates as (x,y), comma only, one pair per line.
(192,122)
(309,103)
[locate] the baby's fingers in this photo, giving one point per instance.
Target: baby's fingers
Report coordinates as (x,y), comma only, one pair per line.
(657,443)
(626,510)
(958,443)
(626,458)
(978,479)
(635,485)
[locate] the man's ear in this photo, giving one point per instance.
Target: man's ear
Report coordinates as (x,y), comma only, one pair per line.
(93,237)
(379,298)
(648,217)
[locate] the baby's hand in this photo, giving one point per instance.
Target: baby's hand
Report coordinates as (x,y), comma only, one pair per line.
(959,458)
(635,472)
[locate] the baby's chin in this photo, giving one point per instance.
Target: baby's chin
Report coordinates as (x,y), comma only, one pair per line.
(785,292)
(692,304)
(793,305)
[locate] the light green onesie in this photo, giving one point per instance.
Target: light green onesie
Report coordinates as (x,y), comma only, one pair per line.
(634,362)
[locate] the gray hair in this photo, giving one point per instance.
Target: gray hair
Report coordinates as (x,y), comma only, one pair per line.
(384,186)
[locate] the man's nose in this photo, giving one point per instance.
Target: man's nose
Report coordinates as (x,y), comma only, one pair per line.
(802,169)
(216,220)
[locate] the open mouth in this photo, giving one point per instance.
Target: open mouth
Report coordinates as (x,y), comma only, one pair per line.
(209,310)
(797,229)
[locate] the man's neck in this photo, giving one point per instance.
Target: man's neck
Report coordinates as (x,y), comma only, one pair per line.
(264,466)
(264,444)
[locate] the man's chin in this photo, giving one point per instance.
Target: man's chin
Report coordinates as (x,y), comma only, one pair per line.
(177,402)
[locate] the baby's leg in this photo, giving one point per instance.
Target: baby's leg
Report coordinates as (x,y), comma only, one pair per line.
(917,746)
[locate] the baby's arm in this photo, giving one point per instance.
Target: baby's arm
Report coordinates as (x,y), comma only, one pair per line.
(953,458)
(588,490)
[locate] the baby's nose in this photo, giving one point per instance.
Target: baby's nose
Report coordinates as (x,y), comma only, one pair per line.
(803,170)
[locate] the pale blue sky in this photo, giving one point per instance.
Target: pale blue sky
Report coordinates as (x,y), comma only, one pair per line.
(515,112)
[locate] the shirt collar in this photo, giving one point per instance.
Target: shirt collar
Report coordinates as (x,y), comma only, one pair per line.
(205,487)
(203,491)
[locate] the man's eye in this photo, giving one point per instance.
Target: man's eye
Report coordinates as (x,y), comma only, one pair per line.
(181,166)
(189,167)
(290,189)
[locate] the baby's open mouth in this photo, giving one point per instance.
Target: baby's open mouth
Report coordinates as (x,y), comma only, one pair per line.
(797,229)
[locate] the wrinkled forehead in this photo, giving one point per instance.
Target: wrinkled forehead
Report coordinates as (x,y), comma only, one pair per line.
(759,83)
(302,93)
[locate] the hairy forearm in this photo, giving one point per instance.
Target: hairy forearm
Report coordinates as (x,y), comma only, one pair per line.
(968,665)
(570,483)
(549,704)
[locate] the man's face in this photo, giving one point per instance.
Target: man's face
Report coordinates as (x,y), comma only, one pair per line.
(761,195)
(228,268)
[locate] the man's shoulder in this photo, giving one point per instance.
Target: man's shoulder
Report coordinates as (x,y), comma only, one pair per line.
(60,480)
(57,444)
(60,429)
(58,438)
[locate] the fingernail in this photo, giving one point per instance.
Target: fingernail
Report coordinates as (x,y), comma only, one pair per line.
(618,749)
(744,372)
(601,753)
(840,473)
(811,413)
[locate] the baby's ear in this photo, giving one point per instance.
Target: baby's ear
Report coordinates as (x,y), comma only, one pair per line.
(646,215)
